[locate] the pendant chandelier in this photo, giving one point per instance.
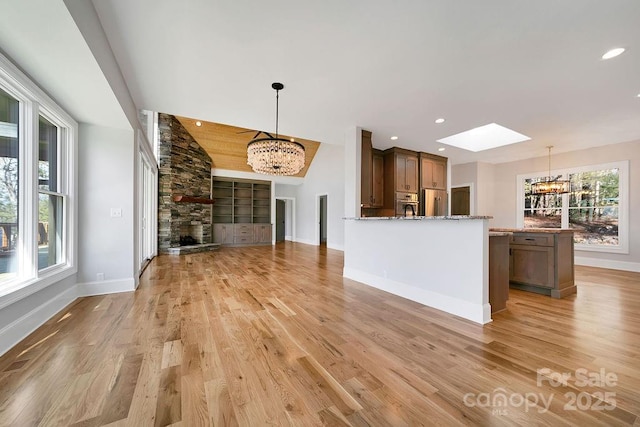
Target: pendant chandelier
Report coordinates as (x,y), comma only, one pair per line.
(549,185)
(275,155)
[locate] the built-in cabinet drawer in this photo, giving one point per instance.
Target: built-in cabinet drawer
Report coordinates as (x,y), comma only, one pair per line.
(243,239)
(243,230)
(532,239)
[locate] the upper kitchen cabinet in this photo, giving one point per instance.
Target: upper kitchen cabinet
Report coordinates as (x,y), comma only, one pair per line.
(378,179)
(400,174)
(401,169)
(366,165)
(433,171)
(372,174)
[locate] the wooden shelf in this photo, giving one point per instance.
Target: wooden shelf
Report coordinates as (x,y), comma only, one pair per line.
(188,199)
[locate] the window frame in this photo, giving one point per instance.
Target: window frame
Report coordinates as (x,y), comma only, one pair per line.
(33,103)
(623,203)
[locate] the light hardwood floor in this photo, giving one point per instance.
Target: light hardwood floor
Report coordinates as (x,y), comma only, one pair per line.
(275,336)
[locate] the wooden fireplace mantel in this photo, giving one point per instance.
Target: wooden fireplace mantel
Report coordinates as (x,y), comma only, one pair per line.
(179,198)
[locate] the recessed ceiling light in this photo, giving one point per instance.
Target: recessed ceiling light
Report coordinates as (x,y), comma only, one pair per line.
(198,123)
(441,149)
(484,137)
(440,120)
(613,53)
(393,138)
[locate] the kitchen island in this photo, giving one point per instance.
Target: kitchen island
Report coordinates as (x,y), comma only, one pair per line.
(541,260)
(441,262)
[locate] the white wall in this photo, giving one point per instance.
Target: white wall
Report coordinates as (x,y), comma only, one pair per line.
(484,190)
(325,176)
(106,181)
(504,199)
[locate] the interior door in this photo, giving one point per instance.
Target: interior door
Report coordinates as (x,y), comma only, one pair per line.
(280,220)
(323,219)
(460,201)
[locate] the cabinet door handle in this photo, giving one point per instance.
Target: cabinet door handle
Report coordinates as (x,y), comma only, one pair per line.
(529,239)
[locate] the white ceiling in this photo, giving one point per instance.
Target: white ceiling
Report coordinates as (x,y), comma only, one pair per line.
(42,38)
(389,67)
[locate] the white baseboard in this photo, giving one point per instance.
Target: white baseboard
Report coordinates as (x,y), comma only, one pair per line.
(478,313)
(306,242)
(608,263)
(20,328)
(106,287)
(336,247)
(289,238)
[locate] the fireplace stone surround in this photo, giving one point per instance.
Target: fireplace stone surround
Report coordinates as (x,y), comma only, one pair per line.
(184,169)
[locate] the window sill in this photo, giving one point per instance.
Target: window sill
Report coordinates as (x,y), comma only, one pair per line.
(13,291)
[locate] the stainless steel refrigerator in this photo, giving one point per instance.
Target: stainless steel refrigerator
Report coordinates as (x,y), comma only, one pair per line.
(434,202)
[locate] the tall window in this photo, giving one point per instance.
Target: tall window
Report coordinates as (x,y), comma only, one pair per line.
(595,209)
(37,140)
(9,150)
(50,199)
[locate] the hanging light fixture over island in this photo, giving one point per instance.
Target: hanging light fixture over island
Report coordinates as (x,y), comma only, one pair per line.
(275,155)
(549,185)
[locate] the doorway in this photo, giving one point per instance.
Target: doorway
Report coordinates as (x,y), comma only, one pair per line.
(461,200)
(285,219)
(281,206)
(323,219)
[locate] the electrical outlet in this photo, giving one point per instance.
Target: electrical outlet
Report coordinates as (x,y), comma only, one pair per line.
(100,277)
(116,212)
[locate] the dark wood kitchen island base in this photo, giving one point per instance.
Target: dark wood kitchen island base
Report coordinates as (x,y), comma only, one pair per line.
(541,261)
(498,270)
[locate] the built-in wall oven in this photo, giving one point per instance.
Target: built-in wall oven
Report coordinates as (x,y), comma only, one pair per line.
(406,204)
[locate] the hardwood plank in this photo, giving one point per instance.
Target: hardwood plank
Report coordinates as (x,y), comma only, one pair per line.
(275,335)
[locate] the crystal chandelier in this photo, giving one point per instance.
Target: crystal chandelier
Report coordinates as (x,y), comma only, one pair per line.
(275,155)
(549,185)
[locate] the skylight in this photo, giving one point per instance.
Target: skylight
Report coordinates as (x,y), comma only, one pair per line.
(484,138)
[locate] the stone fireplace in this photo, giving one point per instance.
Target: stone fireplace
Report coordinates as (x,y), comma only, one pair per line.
(184,170)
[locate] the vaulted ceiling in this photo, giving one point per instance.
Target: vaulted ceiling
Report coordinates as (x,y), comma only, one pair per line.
(227,145)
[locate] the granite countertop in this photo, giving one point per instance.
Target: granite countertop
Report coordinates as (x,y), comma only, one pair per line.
(499,233)
(418,218)
(532,230)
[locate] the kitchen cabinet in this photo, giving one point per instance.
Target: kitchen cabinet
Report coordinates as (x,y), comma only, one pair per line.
(366,171)
(400,174)
(377,179)
(433,171)
(498,271)
(372,174)
(542,261)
